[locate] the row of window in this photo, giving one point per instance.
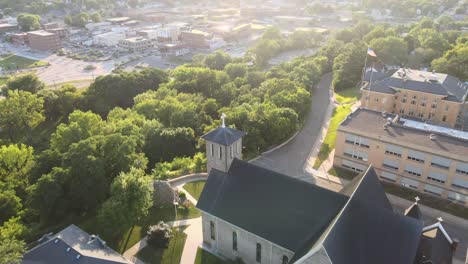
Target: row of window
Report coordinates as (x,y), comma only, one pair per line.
(397,151)
(434,190)
(220,153)
(420,115)
(258,252)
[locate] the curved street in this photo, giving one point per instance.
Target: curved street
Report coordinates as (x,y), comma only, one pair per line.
(291,158)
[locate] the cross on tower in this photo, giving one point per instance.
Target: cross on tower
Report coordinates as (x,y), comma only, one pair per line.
(440,219)
(416,199)
(223,116)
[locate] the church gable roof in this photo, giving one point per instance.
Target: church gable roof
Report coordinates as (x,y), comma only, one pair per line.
(414,212)
(223,135)
(436,245)
(368,231)
(276,207)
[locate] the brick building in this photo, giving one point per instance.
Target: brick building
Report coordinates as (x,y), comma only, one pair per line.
(43,40)
(427,158)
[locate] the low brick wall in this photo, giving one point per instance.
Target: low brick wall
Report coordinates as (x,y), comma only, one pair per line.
(188,178)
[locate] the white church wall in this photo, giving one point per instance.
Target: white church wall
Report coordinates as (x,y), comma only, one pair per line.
(246,243)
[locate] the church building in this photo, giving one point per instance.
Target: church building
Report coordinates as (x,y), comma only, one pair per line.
(261,216)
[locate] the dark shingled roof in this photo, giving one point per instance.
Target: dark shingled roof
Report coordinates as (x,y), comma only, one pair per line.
(435,247)
(369,232)
(223,135)
(76,241)
(420,81)
(276,207)
(414,212)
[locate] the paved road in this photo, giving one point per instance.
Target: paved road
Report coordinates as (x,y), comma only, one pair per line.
(290,158)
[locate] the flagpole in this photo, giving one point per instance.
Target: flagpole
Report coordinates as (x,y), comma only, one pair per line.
(365,66)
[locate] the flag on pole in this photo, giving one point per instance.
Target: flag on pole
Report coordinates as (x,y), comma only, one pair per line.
(371,52)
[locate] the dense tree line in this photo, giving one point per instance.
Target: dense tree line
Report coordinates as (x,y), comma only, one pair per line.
(71,154)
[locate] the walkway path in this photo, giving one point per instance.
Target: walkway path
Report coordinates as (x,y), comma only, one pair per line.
(194,232)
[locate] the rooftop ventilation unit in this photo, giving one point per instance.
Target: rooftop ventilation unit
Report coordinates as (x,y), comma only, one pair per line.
(68,249)
(78,256)
(385,126)
(433,136)
(433,78)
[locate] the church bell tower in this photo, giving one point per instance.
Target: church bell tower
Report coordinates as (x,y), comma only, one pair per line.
(223,144)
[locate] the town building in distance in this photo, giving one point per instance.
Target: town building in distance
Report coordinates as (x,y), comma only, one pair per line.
(427,158)
(432,97)
(43,40)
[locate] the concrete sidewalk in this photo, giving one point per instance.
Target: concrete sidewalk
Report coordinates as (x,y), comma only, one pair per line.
(192,235)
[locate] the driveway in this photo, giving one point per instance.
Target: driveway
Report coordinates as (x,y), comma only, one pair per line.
(291,157)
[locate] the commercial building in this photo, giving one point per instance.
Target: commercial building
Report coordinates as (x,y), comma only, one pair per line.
(261,216)
(196,39)
(61,32)
(428,158)
(19,38)
(432,97)
(135,44)
(109,39)
(5,27)
(43,40)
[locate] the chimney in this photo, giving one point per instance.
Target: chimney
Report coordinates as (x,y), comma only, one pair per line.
(455,243)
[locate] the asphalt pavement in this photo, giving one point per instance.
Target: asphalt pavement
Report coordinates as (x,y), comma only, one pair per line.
(291,157)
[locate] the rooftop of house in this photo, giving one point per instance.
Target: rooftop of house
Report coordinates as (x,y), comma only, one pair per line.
(264,203)
(41,33)
(72,245)
(443,140)
(451,88)
(223,135)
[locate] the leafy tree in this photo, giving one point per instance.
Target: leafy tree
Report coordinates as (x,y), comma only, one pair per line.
(81,125)
(28,22)
(46,195)
(20,112)
(197,80)
(347,67)
(159,235)
(130,200)
(217,60)
(454,62)
(96,17)
(16,162)
(28,82)
(11,250)
(380,31)
(61,102)
(115,90)
(10,204)
(236,70)
(390,50)
(266,49)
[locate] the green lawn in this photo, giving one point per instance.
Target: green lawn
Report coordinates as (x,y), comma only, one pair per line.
(342,173)
(205,257)
(426,199)
(13,62)
(339,114)
(122,242)
(348,95)
(195,188)
(169,255)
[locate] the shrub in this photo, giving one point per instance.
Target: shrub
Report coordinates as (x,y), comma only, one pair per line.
(159,235)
